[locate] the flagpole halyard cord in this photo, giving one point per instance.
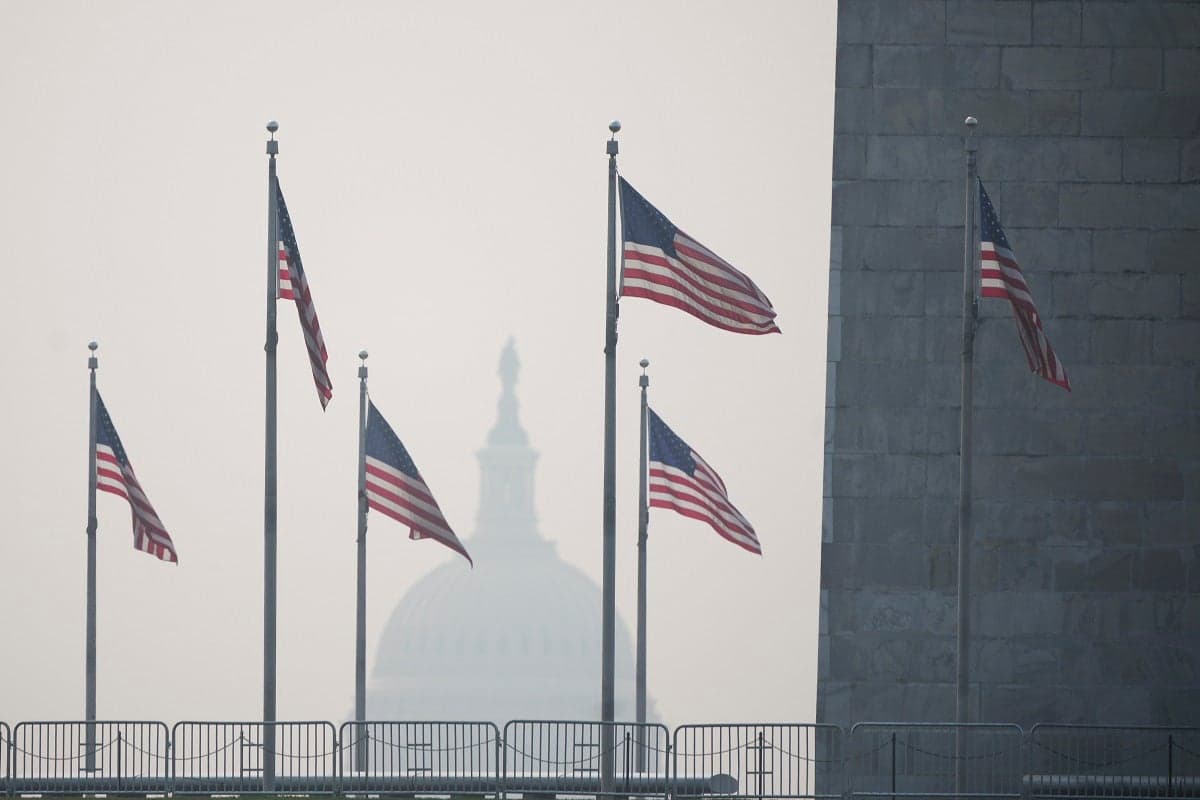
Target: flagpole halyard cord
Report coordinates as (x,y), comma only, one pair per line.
(270,478)
(966,417)
(89,702)
(609,545)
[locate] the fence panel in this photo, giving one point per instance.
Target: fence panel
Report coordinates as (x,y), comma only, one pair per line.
(566,757)
(57,758)
(934,760)
(1091,761)
(420,757)
(259,757)
(758,760)
(5,751)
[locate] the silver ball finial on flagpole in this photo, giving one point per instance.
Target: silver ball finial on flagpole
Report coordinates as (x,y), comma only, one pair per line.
(645,362)
(92,345)
(970,122)
(362,368)
(615,126)
(92,362)
(362,354)
(272,126)
(644,380)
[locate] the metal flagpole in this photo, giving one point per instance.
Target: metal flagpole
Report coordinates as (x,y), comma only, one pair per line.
(89,701)
(966,414)
(360,628)
(610,447)
(271,478)
(643,525)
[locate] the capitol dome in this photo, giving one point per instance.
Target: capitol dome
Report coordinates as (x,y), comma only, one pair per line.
(518,636)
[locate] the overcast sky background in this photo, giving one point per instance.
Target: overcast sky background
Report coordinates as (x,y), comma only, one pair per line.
(444,167)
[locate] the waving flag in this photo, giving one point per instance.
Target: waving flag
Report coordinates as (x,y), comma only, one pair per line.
(114,474)
(664,264)
(395,486)
(293,285)
(682,481)
(1001,276)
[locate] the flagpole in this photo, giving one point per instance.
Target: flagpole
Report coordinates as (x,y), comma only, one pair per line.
(89,701)
(643,525)
(608,620)
(966,415)
(360,628)
(270,495)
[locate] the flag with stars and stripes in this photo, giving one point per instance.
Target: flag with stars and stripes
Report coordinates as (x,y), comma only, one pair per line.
(293,285)
(664,264)
(684,482)
(395,487)
(1001,277)
(114,474)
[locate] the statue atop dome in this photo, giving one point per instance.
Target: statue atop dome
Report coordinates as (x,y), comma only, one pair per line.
(508,430)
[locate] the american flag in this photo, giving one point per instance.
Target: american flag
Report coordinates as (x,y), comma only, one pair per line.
(114,474)
(293,285)
(682,481)
(664,264)
(395,486)
(1002,277)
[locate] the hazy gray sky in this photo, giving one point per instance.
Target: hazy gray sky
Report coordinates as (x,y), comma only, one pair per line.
(445,170)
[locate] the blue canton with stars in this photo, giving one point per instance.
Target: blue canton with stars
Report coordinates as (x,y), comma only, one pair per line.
(991,230)
(666,447)
(384,445)
(644,224)
(106,433)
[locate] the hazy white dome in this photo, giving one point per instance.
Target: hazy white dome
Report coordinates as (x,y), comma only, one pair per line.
(518,637)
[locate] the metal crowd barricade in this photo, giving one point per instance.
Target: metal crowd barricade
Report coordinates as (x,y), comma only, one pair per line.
(409,758)
(5,762)
(71,758)
(929,759)
(258,757)
(565,757)
(758,760)
(1092,761)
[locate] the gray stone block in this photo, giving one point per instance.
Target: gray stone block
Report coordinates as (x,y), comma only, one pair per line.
(878,475)
(915,204)
(848,658)
(1177,342)
(944,294)
(1056,22)
(941,474)
(1113,433)
(1174,252)
(902,612)
(1137,68)
(1124,24)
(875,430)
(1028,158)
(1010,568)
(854,202)
(1115,523)
(1042,251)
(929,67)
(1140,113)
(849,157)
(1150,161)
(1044,522)
(1055,68)
(1117,206)
(913,658)
(1055,477)
(1030,432)
(1027,204)
(853,67)
(901,111)
(880,385)
(1160,570)
(1191,296)
(1119,250)
(1054,113)
(943,340)
(989,22)
(886,21)
(853,110)
(880,519)
(1189,162)
(914,157)
(873,293)
(1175,434)
(1120,341)
(1117,296)
(1011,614)
(1181,70)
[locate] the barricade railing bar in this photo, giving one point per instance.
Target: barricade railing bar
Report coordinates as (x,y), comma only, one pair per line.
(567,757)
(419,757)
(258,757)
(761,760)
(972,760)
(68,758)
(562,758)
(1095,761)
